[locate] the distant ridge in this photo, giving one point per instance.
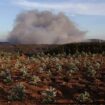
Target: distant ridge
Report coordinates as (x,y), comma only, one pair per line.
(83,41)
(93,40)
(4,43)
(93,45)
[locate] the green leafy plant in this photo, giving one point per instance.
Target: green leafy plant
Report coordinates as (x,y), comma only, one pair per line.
(84,97)
(35,80)
(17,92)
(24,72)
(18,64)
(6,75)
(90,72)
(58,66)
(97,65)
(49,95)
(72,67)
(69,74)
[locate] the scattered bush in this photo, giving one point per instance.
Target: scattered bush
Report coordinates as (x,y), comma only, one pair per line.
(72,67)
(6,76)
(24,72)
(90,72)
(84,97)
(17,93)
(49,95)
(35,80)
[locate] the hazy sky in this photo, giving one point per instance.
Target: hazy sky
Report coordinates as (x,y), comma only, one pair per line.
(89,15)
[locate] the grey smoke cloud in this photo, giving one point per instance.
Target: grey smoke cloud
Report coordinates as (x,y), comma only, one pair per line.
(34,27)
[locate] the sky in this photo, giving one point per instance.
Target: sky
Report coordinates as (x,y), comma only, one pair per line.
(88,15)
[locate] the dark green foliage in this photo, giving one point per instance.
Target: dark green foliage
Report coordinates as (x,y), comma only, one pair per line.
(17,92)
(91,47)
(6,76)
(84,97)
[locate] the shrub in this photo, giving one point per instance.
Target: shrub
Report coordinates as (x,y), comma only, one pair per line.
(17,92)
(97,65)
(84,97)
(18,64)
(72,67)
(69,74)
(35,80)
(58,66)
(6,75)
(49,95)
(90,72)
(40,69)
(24,72)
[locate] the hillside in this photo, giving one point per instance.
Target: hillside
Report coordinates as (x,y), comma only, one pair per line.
(91,45)
(65,74)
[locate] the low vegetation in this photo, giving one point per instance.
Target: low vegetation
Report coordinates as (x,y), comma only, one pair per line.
(45,78)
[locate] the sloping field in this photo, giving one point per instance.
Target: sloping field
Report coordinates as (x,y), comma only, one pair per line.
(47,79)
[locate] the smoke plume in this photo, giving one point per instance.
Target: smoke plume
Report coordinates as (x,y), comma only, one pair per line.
(35,27)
